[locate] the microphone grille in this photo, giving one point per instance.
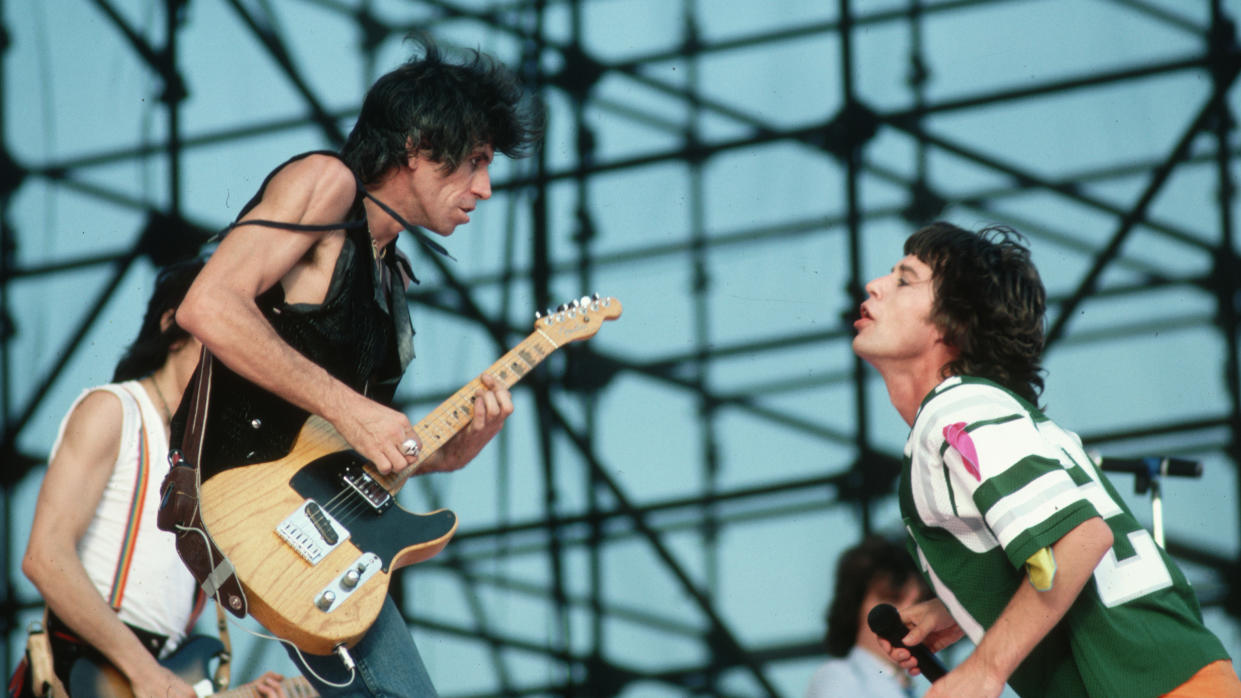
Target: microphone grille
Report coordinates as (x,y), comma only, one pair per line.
(885,621)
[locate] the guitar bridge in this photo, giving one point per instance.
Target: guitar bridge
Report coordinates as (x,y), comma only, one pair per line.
(312,531)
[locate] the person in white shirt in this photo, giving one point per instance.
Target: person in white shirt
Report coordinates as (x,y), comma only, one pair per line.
(116,591)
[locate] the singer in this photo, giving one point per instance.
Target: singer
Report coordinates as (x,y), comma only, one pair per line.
(1030,551)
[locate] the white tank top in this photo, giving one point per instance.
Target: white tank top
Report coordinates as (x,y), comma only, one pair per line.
(132,563)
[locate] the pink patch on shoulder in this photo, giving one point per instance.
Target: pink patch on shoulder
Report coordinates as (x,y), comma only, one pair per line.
(958,438)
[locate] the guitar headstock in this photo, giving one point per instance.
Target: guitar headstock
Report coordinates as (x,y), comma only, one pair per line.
(578,319)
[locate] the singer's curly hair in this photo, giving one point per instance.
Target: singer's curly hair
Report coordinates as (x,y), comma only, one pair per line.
(989,303)
(443,109)
(874,563)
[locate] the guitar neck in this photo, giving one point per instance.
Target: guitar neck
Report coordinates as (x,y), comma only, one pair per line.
(455,413)
(294,687)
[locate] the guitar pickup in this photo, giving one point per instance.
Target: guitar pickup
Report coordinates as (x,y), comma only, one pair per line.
(321,522)
(312,531)
(367,488)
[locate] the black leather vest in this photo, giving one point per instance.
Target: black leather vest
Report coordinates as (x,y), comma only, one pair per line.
(360,334)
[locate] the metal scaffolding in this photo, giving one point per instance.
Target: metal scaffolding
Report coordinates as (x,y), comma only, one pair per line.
(560,556)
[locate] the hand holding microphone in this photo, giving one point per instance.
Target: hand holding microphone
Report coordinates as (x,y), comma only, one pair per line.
(885,621)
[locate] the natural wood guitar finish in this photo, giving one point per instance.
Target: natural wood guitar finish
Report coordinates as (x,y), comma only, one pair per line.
(315,536)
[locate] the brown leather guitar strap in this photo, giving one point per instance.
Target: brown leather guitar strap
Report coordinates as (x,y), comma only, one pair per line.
(179,512)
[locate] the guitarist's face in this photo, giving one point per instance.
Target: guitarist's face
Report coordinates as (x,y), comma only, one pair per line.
(441,201)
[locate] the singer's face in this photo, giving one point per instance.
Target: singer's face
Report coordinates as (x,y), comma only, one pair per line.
(895,320)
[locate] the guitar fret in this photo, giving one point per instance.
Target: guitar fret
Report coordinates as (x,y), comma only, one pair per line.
(455,413)
(549,339)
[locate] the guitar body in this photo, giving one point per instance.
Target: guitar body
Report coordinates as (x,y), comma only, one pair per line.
(190,662)
(314,538)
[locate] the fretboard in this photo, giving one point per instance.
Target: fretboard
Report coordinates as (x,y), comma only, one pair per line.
(454,414)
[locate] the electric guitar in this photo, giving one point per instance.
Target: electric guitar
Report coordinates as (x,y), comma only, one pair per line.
(315,536)
(90,679)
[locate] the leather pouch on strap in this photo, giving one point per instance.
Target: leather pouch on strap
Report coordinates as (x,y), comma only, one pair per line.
(178,508)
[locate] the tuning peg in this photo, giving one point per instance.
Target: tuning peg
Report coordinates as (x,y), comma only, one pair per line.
(538,315)
(561,308)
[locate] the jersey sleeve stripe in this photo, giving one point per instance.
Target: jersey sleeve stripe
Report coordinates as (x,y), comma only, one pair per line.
(1009,516)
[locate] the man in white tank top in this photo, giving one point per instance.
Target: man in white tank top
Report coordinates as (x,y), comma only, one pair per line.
(115,587)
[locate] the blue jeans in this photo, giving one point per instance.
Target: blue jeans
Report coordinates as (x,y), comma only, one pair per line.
(388,664)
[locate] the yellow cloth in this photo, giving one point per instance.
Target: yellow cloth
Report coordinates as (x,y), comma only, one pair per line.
(1042,569)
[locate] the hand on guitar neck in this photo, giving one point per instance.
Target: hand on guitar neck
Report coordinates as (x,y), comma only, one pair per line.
(492,405)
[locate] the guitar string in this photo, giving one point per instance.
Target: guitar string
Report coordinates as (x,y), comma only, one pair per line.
(347,506)
(346,509)
(465,402)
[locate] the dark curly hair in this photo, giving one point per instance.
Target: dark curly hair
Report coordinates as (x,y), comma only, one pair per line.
(874,562)
(989,303)
(150,348)
(443,109)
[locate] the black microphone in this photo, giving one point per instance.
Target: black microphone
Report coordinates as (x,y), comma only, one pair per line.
(1149,467)
(885,621)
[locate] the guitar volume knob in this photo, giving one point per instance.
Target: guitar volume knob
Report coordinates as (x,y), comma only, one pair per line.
(351,579)
(325,601)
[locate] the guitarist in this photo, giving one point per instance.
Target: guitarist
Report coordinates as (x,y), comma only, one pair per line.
(303,303)
(115,590)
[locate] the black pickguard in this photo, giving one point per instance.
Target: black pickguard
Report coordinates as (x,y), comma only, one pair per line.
(383,533)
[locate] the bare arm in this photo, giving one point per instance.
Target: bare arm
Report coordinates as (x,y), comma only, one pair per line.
(71,491)
(1027,619)
(220,309)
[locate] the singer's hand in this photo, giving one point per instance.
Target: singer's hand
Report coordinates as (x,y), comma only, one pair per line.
(968,680)
(929,624)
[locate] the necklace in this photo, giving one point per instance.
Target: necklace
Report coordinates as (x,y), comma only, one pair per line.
(162,402)
(375,251)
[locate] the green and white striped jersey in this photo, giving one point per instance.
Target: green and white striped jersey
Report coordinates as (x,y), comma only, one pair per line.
(989,481)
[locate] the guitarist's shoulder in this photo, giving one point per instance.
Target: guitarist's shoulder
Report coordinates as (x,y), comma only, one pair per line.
(317,186)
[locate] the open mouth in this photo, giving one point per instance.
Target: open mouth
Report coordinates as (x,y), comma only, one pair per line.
(863,315)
